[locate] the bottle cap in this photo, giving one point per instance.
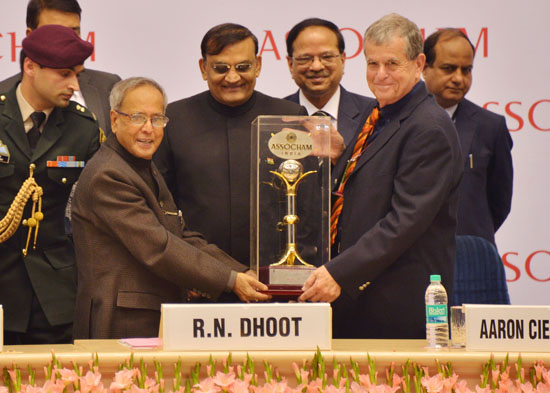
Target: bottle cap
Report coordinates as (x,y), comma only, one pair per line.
(435,277)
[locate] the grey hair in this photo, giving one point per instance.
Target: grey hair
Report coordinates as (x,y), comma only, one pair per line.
(121,88)
(384,29)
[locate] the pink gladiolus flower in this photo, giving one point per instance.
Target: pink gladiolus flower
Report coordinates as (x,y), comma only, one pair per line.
(364,380)
(539,367)
(526,387)
(543,388)
(54,387)
(334,389)
(123,379)
(449,383)
(354,387)
(206,386)
(462,387)
(3,389)
(433,384)
(136,389)
(382,389)
(486,389)
(224,380)
(29,389)
(396,381)
(68,376)
(239,386)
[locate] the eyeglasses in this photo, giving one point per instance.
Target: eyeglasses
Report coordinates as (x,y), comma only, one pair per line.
(139,119)
(222,68)
(327,59)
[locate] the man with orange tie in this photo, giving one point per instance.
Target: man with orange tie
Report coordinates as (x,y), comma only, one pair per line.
(394,210)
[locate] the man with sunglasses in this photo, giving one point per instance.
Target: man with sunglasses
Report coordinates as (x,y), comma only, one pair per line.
(205,155)
(133,250)
(316,57)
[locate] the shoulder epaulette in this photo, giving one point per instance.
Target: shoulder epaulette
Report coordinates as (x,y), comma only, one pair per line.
(81,110)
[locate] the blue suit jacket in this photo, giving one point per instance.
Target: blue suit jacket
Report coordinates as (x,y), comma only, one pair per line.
(485,193)
(398,223)
(353,110)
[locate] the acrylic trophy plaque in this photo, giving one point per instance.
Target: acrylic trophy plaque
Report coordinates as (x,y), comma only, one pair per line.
(290,200)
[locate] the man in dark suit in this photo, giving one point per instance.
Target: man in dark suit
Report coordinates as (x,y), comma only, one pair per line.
(206,152)
(133,250)
(94,85)
(393,217)
(42,128)
(316,57)
(485,194)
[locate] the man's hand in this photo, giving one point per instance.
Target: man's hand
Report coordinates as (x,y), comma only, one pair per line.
(320,135)
(247,287)
(320,287)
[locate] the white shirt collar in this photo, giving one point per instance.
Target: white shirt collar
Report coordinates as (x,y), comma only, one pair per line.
(331,107)
(451,110)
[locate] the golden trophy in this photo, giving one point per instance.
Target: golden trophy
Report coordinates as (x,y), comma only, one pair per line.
(290,202)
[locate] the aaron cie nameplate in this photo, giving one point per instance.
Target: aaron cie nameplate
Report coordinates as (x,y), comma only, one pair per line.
(270,326)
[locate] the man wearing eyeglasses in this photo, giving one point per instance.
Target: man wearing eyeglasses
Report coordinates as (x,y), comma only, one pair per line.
(316,57)
(133,250)
(205,155)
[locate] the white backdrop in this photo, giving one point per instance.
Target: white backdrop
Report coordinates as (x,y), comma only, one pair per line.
(161,39)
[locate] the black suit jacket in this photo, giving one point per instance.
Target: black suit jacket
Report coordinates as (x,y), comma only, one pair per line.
(95,87)
(485,194)
(353,110)
(50,270)
(398,223)
(205,160)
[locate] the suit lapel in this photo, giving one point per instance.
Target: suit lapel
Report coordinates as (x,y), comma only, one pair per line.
(91,96)
(466,126)
(15,128)
(348,116)
(392,126)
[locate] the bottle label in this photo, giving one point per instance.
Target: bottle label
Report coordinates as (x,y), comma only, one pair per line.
(436,313)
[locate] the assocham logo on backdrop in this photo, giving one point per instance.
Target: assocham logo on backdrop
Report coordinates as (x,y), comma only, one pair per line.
(533,265)
(354,42)
(521,112)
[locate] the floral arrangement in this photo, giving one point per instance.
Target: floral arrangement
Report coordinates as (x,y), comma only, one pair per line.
(311,377)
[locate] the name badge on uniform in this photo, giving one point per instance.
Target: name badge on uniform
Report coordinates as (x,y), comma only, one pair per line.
(66,162)
(4,154)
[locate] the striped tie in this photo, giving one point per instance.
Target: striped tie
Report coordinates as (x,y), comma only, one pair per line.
(358,149)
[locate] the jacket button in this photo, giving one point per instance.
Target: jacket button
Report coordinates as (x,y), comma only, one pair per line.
(64,180)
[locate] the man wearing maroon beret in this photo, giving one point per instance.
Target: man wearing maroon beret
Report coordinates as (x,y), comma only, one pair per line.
(95,85)
(42,128)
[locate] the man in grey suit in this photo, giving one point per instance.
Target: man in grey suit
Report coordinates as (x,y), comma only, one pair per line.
(394,212)
(94,85)
(485,196)
(316,57)
(133,250)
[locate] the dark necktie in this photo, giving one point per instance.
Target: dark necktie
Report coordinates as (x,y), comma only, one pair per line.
(358,149)
(322,113)
(34,133)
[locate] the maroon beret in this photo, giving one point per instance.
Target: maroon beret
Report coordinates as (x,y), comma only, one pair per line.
(56,46)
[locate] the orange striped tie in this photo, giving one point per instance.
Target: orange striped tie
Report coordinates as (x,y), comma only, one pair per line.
(358,149)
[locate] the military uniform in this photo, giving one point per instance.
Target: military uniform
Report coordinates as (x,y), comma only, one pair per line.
(49,271)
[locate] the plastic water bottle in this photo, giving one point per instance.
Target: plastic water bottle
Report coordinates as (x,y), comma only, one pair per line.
(437,326)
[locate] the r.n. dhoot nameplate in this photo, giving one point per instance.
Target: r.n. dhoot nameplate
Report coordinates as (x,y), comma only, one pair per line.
(289,192)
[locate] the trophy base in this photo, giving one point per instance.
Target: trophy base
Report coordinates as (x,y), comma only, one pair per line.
(284,282)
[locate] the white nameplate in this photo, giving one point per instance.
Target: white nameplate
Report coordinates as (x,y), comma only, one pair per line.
(270,326)
(507,328)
